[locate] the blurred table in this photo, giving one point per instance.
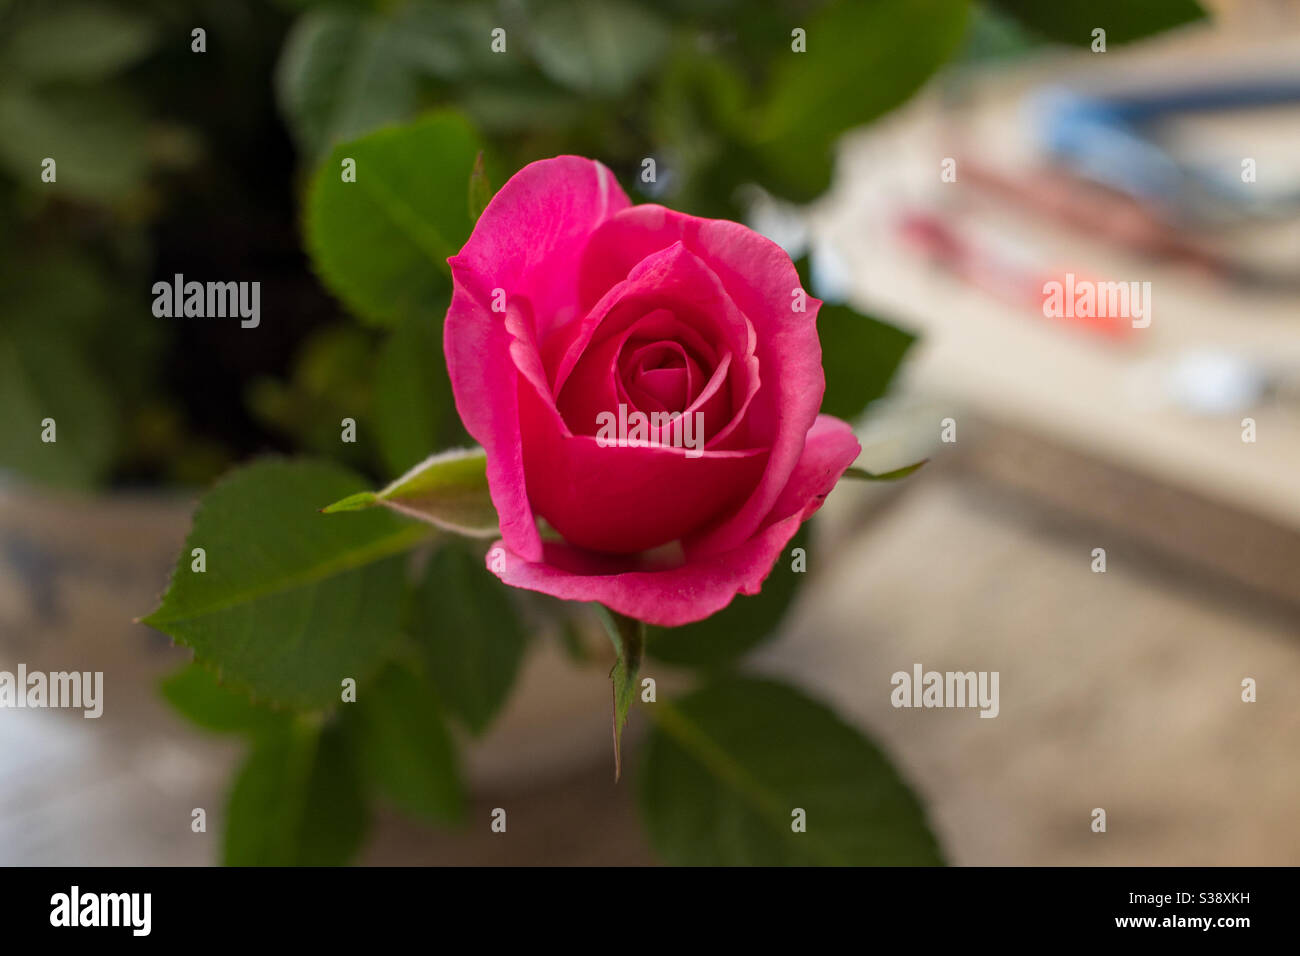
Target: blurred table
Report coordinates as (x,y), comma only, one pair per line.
(1012,366)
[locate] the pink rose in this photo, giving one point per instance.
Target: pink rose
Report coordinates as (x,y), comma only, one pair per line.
(573,310)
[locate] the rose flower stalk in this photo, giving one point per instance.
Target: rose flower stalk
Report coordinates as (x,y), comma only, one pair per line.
(573,309)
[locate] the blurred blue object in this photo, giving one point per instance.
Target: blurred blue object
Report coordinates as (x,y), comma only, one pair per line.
(1113,139)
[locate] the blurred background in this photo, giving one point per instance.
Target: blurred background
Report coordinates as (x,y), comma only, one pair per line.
(1023,158)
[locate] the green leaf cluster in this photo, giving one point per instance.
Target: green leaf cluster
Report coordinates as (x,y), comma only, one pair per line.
(343,659)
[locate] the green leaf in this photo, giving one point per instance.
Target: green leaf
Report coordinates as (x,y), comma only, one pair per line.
(43,376)
(727,766)
(863,58)
(502,109)
(480,190)
(415,412)
(291,602)
(381,243)
(994,36)
(96,137)
(452,41)
(65,290)
(470,634)
(748,621)
(698,115)
(860,357)
(863,475)
(1072,21)
(597,47)
(196,694)
(74,41)
(342,74)
(628,637)
(355,502)
(448,490)
(407,753)
(331,379)
(297,801)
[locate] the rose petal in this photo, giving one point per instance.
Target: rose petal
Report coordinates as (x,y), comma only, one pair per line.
(530,239)
(527,242)
(625,499)
(702,586)
(671,279)
(667,388)
(760,278)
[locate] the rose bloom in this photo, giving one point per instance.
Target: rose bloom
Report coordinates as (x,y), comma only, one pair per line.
(571,302)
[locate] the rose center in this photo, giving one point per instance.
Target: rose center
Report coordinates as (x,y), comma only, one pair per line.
(659,376)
